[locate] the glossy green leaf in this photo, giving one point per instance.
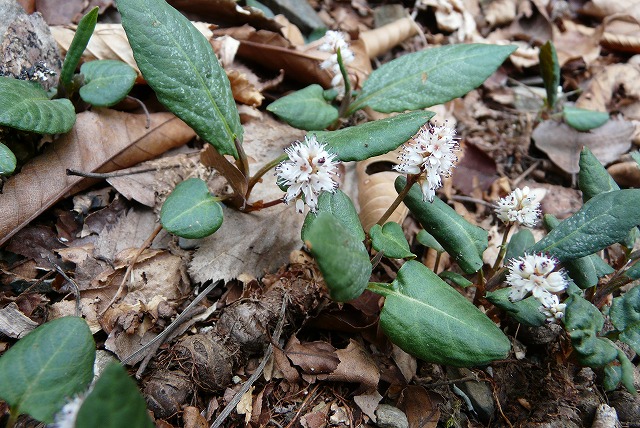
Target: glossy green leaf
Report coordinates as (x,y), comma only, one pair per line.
(26,106)
(603,220)
(340,206)
(114,402)
(47,367)
(427,239)
(107,82)
(627,372)
(390,240)
(370,139)
(584,271)
(79,43)
(432,321)
(190,211)
(584,321)
(429,77)
(582,119)
(519,243)
(526,311)
(550,71)
(463,241)
(455,278)
(633,272)
(305,109)
(625,316)
(178,62)
(7,160)
(342,258)
(612,376)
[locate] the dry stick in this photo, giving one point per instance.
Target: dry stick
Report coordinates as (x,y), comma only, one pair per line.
(146,244)
(159,339)
(526,173)
(236,399)
(76,290)
(303,405)
(144,108)
(470,199)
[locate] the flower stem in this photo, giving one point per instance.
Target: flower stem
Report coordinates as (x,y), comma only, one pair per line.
(259,205)
(261,172)
(503,249)
(411,180)
(346,100)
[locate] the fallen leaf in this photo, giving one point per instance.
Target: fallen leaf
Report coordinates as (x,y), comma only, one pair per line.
(245,405)
(577,42)
(621,34)
(355,366)
(227,12)
(563,144)
(476,169)
(420,406)
(626,174)
(368,403)
(381,40)
(13,323)
(101,140)
(312,357)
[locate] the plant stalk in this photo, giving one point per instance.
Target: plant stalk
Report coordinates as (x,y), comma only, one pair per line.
(503,249)
(262,171)
(411,180)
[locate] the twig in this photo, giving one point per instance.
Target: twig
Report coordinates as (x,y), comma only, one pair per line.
(146,244)
(303,405)
(76,290)
(236,399)
(144,108)
(470,199)
(159,339)
(526,172)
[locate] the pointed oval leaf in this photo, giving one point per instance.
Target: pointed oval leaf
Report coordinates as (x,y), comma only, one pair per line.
(455,278)
(390,240)
(47,367)
(305,109)
(582,119)
(603,220)
(463,241)
(432,76)
(7,160)
(79,43)
(26,106)
(340,206)
(593,178)
(526,311)
(114,402)
(625,316)
(550,71)
(342,258)
(107,82)
(190,211)
(518,243)
(427,239)
(361,142)
(181,67)
(430,320)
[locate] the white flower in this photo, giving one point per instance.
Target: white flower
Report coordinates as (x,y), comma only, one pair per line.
(66,417)
(553,309)
(334,41)
(309,171)
(518,206)
(430,152)
(534,274)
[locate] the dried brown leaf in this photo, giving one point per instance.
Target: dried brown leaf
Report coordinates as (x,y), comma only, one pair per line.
(102,140)
(313,358)
(243,90)
(563,144)
(420,406)
(382,39)
(226,12)
(614,81)
(626,174)
(500,12)
(356,365)
(621,34)
(15,324)
(577,42)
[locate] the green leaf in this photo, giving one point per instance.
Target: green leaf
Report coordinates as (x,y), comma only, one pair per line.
(603,220)
(340,206)
(427,239)
(390,240)
(550,71)
(361,142)
(305,109)
(583,321)
(625,316)
(519,243)
(633,272)
(190,211)
(107,82)
(179,64)
(584,271)
(47,367)
(430,320)
(455,278)
(526,311)
(463,241)
(114,402)
(79,43)
(342,258)
(593,178)
(26,106)
(582,119)
(7,160)
(429,77)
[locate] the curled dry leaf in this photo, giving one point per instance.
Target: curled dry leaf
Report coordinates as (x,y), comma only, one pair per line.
(626,174)
(101,140)
(500,12)
(563,144)
(243,90)
(621,33)
(577,42)
(604,8)
(382,39)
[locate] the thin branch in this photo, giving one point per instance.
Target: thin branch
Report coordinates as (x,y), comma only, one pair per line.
(76,290)
(144,108)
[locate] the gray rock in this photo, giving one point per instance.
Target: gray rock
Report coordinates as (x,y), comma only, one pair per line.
(391,417)
(478,393)
(627,406)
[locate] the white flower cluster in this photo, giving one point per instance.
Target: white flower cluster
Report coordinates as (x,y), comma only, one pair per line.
(520,207)
(534,273)
(431,153)
(310,170)
(334,41)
